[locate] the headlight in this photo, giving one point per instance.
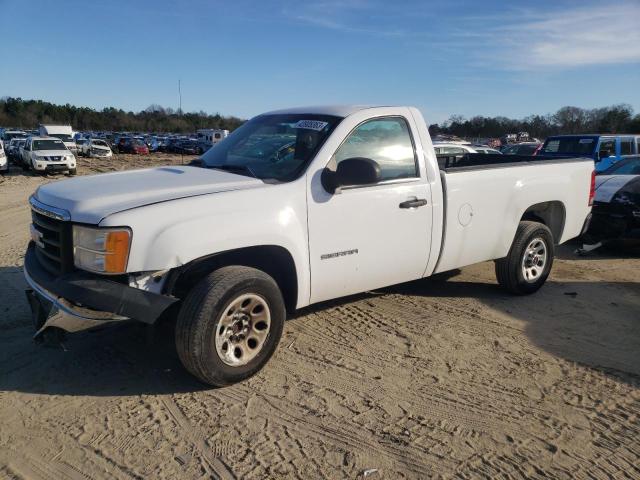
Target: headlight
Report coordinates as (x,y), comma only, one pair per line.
(101,250)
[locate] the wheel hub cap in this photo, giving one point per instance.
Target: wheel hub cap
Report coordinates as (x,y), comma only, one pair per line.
(242,329)
(534,260)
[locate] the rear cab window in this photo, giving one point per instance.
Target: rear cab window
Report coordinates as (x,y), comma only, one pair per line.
(570,145)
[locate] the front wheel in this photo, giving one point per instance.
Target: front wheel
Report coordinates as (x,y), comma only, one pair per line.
(230,325)
(528,263)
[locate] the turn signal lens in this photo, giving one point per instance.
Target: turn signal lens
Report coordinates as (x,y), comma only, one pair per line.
(101,250)
(117,251)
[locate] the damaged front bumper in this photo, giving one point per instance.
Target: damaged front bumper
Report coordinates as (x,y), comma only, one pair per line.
(49,310)
(79,300)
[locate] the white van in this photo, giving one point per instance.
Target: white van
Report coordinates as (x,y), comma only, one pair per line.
(63,132)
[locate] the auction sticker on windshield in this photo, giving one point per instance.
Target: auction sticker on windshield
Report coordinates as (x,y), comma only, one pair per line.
(311,124)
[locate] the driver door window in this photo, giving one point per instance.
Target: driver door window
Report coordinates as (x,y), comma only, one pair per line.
(607,147)
(386,141)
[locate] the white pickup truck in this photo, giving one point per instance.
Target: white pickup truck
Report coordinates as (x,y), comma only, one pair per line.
(293,208)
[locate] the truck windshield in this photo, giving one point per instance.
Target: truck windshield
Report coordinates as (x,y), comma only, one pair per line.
(570,145)
(274,147)
(48,145)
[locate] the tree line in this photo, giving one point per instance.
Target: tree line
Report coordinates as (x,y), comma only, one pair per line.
(612,119)
(19,113)
(28,114)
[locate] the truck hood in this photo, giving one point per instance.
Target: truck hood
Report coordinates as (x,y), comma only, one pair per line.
(92,198)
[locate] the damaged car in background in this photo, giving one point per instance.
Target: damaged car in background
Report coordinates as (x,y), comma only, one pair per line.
(616,207)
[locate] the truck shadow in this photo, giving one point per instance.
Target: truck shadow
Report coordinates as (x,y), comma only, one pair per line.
(130,359)
(595,324)
(611,251)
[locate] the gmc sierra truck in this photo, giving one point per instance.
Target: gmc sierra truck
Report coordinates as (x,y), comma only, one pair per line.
(293,208)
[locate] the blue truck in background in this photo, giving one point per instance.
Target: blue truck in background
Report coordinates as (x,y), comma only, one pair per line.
(605,149)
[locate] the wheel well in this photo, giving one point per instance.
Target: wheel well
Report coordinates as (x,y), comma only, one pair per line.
(552,214)
(273,260)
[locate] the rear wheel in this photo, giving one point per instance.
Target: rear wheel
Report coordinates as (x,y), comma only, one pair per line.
(528,263)
(230,325)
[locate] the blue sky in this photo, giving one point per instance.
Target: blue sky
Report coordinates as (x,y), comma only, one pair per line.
(511,58)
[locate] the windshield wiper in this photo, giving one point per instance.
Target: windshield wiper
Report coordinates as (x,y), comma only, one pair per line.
(235,168)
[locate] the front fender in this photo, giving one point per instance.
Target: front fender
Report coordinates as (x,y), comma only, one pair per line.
(170,234)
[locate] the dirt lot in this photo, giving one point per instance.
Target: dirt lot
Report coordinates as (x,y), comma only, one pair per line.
(445,377)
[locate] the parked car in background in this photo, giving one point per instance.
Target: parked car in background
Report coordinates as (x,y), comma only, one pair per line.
(13,150)
(172,143)
(527,148)
(628,166)
(80,144)
(132,145)
(4,159)
(616,207)
(152,143)
(460,149)
(96,148)
(187,147)
(120,141)
(9,134)
(453,148)
(486,150)
(63,132)
(605,150)
(47,155)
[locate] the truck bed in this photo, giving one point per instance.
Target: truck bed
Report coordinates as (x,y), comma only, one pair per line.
(474,161)
(486,196)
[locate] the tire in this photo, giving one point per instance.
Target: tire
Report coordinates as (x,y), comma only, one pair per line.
(205,314)
(525,269)
(73,171)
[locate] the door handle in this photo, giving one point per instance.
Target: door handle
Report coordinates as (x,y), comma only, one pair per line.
(413,203)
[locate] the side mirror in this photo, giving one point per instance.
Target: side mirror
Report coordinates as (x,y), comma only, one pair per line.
(351,172)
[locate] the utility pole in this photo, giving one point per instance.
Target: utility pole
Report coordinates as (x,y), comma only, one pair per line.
(180,113)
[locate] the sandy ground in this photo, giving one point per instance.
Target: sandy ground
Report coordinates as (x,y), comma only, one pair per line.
(445,377)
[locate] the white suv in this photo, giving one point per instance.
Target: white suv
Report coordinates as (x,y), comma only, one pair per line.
(4,161)
(47,155)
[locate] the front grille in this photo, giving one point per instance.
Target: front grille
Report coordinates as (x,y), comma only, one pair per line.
(54,249)
(57,167)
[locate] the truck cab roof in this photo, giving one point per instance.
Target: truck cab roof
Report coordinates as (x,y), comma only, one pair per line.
(335,110)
